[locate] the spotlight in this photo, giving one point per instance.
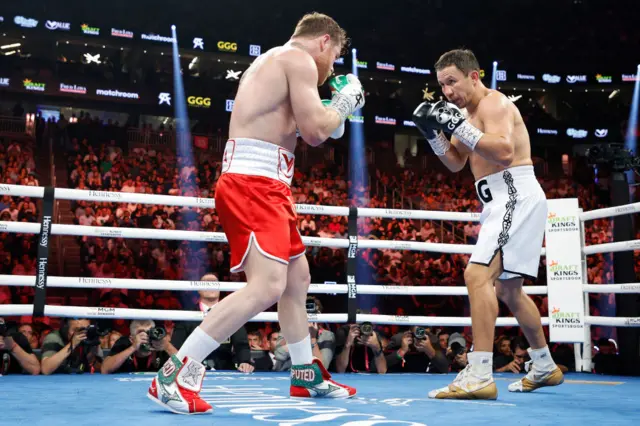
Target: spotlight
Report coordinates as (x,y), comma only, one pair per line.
(354,51)
(495,63)
(173,27)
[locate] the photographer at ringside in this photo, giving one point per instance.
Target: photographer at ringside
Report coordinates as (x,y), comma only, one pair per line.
(16,355)
(146,349)
(457,353)
(359,349)
(415,351)
(75,348)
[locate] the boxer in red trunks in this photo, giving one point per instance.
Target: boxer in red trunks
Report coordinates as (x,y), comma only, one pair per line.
(277,96)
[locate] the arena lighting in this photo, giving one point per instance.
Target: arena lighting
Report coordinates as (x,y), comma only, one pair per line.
(183,130)
(493,75)
(630,142)
(10,46)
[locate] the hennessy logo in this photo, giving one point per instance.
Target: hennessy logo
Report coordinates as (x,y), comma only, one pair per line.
(42,273)
(44,239)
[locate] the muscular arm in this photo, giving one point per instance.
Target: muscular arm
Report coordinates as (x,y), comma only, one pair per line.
(496,145)
(315,122)
(51,364)
(112,363)
(456,157)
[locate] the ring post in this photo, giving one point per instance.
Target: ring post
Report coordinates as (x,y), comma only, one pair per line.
(352,288)
(43,253)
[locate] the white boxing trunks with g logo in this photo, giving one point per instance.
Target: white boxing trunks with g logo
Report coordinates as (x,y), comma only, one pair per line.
(513,221)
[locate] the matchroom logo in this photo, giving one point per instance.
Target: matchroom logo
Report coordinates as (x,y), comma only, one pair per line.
(564,272)
(561,223)
(565,319)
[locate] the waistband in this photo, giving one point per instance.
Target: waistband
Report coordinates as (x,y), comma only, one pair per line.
(520,180)
(258,158)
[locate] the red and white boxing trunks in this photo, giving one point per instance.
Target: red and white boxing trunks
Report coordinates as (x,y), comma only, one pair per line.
(254,201)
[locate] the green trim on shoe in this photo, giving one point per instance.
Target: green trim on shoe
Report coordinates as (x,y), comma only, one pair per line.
(306,375)
(167,377)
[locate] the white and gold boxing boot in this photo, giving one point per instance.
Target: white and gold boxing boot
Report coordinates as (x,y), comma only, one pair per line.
(474,382)
(544,372)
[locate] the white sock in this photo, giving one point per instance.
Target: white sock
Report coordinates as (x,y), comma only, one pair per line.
(542,358)
(481,362)
(301,352)
(198,346)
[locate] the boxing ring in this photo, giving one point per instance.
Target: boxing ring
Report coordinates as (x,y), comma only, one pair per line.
(262,397)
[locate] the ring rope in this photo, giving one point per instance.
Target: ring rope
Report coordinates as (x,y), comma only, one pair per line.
(178,285)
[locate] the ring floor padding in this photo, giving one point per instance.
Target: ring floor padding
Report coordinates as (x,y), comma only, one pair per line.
(262,399)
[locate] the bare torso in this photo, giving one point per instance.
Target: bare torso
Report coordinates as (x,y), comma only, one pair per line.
(262,108)
(522,151)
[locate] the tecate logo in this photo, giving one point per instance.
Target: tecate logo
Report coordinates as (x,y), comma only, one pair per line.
(577,133)
(576,79)
(551,78)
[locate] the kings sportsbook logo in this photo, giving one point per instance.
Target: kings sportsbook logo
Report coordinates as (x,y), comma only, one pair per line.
(562,319)
(564,272)
(561,223)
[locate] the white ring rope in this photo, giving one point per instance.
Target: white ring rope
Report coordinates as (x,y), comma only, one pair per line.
(160,315)
(610,212)
(219,237)
(175,285)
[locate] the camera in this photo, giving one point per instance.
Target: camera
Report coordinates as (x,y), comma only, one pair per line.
(3,328)
(366,329)
(312,307)
(155,334)
(457,349)
(420,333)
(93,335)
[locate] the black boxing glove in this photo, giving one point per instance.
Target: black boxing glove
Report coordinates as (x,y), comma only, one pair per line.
(439,143)
(448,118)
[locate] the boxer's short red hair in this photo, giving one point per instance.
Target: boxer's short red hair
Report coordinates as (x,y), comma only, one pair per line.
(318,24)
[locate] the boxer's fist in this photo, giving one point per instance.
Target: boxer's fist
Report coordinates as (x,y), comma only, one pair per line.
(439,143)
(337,134)
(348,95)
(446,117)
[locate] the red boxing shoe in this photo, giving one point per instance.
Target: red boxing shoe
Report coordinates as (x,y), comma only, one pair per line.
(314,381)
(177,387)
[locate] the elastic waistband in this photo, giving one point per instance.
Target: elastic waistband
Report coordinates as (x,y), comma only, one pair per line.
(258,158)
(519,180)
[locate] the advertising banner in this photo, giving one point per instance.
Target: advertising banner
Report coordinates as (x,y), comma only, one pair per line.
(564,271)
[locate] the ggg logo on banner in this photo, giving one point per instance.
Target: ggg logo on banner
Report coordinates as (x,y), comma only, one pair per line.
(226,46)
(199,101)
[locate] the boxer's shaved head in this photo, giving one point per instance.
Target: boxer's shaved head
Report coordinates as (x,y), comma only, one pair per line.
(463,59)
(318,24)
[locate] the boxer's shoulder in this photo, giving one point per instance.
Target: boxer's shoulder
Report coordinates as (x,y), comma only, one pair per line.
(295,59)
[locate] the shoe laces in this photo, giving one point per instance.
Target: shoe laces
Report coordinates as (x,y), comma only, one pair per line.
(462,374)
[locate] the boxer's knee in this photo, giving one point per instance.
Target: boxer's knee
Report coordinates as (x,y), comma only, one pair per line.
(476,276)
(510,292)
(298,278)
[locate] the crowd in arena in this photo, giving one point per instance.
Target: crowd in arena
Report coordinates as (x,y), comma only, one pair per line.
(98,160)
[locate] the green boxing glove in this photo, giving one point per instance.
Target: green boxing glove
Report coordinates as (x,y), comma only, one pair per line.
(337,134)
(348,95)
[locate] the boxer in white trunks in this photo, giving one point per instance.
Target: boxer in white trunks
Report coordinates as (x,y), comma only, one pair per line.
(492,136)
(277,96)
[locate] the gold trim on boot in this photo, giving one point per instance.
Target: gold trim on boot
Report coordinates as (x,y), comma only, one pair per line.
(454,391)
(554,378)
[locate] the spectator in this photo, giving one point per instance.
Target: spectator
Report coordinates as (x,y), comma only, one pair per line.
(413,351)
(232,354)
(140,351)
(359,349)
(16,354)
(607,360)
(68,350)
